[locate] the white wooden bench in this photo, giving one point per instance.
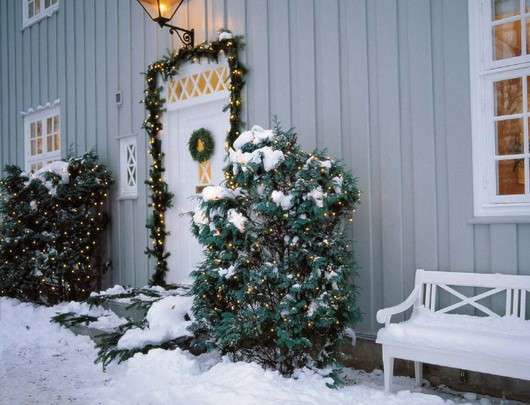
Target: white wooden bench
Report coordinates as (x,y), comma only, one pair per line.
(486,343)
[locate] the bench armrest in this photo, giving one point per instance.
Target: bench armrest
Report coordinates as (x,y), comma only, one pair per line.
(384,315)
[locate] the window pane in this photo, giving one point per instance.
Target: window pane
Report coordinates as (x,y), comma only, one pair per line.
(39,129)
(508,96)
(31,11)
(57,141)
(528,36)
(505,8)
(49,143)
(507,40)
(49,126)
(37,6)
(36,166)
(33,148)
(56,123)
(39,146)
(511,177)
(509,137)
(528,93)
(528,6)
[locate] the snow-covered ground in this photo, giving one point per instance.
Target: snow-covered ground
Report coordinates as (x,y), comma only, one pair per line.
(41,363)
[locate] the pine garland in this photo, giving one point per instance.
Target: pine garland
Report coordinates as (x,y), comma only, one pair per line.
(165,68)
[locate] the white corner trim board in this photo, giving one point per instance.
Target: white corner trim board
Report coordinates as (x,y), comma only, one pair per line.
(487,342)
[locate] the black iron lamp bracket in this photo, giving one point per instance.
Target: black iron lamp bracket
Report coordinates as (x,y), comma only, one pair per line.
(187,37)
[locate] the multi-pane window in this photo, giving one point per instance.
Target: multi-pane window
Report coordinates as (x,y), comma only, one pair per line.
(511,135)
(500,96)
(43,138)
(128,167)
(34,10)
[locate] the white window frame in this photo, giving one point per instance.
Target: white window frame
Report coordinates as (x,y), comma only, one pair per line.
(43,12)
(483,72)
(46,156)
(128,189)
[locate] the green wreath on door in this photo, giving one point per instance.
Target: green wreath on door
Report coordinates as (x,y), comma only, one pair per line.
(201,145)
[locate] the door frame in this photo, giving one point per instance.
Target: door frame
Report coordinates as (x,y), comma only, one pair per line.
(157,73)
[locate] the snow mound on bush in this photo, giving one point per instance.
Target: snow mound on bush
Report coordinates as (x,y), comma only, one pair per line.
(216,193)
(281,199)
(59,168)
(166,319)
(237,219)
(200,217)
(256,135)
(270,158)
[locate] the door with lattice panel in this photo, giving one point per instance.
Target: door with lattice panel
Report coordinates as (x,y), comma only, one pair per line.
(196,98)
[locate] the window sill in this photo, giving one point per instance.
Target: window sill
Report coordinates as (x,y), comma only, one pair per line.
(507,219)
(123,197)
(49,12)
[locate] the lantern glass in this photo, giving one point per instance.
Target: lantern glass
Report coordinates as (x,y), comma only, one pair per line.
(160,11)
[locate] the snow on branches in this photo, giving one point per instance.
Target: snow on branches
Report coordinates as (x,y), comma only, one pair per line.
(50,230)
(276,282)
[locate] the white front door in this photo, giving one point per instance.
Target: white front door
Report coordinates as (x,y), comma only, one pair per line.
(182,176)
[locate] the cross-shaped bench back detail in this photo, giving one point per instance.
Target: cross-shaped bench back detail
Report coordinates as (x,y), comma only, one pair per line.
(516,288)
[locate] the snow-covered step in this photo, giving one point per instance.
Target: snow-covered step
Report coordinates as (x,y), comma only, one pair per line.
(133,304)
(125,310)
(87,330)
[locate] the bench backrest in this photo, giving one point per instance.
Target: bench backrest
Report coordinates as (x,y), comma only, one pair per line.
(515,288)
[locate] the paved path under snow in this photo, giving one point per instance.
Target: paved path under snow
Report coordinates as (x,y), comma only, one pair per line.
(40,363)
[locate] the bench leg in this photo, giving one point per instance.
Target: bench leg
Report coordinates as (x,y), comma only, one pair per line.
(388,364)
(418,373)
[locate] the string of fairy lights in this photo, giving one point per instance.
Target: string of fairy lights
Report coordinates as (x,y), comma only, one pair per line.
(166,68)
(49,240)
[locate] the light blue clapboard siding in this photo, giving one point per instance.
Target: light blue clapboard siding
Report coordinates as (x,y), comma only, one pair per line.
(382,84)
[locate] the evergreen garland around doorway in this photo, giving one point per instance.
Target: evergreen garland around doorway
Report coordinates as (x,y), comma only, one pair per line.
(162,70)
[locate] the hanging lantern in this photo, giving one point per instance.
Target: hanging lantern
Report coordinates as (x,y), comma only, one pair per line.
(162,11)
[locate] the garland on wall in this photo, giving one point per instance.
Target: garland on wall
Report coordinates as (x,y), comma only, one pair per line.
(165,68)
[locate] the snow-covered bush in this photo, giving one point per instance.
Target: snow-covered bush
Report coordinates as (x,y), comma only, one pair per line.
(276,283)
(50,230)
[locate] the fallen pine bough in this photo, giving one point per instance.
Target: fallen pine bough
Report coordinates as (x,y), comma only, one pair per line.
(159,318)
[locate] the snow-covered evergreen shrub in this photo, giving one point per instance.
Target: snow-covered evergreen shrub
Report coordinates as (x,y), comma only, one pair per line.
(276,284)
(50,230)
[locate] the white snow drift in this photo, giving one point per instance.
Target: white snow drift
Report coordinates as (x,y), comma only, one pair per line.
(42,363)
